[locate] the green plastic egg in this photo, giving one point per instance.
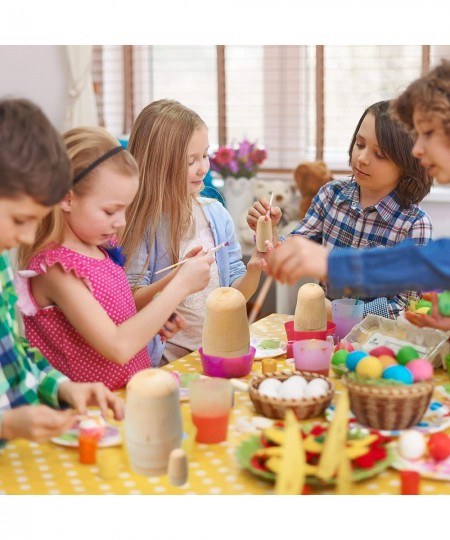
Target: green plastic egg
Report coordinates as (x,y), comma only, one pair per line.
(405,354)
(339,357)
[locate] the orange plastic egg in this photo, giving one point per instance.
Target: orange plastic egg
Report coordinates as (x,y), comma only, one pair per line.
(387,360)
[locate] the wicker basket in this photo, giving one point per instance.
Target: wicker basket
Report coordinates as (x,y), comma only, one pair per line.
(275,407)
(389,407)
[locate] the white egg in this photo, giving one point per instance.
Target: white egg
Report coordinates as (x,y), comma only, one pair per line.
(411,444)
(316,387)
(294,387)
(269,387)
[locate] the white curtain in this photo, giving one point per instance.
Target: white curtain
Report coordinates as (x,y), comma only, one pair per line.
(81,106)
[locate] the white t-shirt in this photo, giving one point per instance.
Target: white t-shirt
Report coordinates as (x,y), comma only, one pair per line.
(193,308)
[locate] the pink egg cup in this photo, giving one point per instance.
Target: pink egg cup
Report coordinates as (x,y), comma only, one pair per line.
(227,368)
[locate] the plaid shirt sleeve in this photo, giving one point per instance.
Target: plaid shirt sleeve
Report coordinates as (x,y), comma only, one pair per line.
(26,378)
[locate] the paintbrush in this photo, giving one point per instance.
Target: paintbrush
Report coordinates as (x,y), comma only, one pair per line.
(212,250)
(270,205)
(260,299)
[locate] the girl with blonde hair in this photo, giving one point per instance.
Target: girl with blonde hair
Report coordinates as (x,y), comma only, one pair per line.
(79,310)
(168,218)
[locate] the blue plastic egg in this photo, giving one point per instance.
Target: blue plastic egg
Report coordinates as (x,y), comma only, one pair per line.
(398,373)
(353,358)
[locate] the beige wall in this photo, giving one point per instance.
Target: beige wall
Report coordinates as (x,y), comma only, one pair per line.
(36,72)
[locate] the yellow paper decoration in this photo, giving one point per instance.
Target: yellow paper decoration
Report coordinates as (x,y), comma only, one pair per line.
(291,477)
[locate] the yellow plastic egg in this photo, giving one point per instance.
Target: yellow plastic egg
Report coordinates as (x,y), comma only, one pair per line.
(369,367)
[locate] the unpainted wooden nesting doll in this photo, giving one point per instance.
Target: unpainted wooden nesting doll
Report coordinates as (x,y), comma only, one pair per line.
(153,423)
(310,311)
(263,233)
(226,331)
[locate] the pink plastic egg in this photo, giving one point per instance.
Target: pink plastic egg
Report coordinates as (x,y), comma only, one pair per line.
(421,369)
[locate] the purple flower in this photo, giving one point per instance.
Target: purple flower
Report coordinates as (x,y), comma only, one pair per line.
(238,160)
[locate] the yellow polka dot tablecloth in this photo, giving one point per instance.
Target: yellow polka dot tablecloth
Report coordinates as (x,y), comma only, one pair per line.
(52,469)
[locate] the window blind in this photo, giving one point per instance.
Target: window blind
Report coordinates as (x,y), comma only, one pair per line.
(270,91)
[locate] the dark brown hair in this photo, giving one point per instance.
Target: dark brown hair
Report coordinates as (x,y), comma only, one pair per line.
(396,143)
(33,160)
(429,94)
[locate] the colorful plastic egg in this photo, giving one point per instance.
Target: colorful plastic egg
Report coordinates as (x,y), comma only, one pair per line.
(421,369)
(344,345)
(405,354)
(439,446)
(339,357)
(387,360)
(398,373)
(353,358)
(369,367)
(382,350)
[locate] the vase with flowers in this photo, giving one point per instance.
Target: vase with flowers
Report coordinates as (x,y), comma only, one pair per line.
(238,164)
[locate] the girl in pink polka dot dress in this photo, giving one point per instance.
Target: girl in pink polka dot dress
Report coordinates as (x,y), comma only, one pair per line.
(77,305)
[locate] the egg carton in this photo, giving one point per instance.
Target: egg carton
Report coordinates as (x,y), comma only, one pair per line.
(375,331)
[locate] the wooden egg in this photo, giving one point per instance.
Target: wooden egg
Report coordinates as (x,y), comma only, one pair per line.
(226,331)
(310,311)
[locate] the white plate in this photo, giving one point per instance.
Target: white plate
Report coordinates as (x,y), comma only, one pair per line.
(425,466)
(266,353)
(111,437)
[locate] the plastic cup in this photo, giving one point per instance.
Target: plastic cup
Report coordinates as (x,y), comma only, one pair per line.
(87,447)
(313,355)
(409,482)
(210,400)
(346,313)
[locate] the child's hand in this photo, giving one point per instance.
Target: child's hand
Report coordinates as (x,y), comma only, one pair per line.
(174,324)
(257,261)
(193,252)
(258,209)
(434,320)
(82,395)
(295,258)
(194,274)
(36,422)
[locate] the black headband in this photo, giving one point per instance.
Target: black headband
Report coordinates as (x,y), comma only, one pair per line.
(96,163)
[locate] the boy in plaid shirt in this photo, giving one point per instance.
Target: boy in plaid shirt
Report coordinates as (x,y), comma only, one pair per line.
(378,206)
(35,174)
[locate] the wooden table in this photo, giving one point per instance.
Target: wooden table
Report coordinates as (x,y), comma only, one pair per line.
(31,468)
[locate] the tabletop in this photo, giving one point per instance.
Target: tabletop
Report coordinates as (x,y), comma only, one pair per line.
(48,468)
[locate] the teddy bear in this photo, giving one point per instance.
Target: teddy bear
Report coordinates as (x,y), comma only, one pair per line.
(284,196)
(310,176)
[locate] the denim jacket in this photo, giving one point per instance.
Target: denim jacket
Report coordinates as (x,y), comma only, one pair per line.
(356,272)
(229,259)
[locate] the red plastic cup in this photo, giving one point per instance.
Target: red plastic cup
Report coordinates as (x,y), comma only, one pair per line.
(409,482)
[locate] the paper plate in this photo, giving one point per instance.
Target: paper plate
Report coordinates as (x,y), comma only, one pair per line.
(426,466)
(266,353)
(111,437)
(436,418)
(247,448)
